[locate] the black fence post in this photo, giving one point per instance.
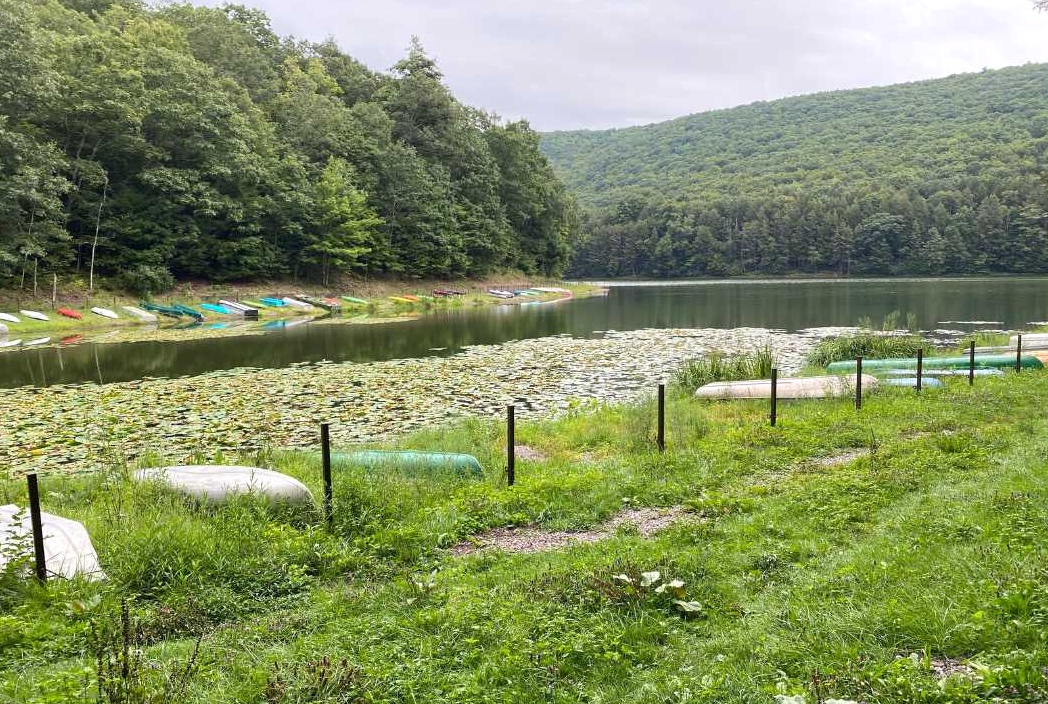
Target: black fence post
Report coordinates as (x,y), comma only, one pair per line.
(511,445)
(920,367)
(774,395)
(325,455)
(971,364)
(1019,353)
(39,558)
(858,383)
(661,435)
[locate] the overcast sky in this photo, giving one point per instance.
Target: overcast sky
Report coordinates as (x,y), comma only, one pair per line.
(570,64)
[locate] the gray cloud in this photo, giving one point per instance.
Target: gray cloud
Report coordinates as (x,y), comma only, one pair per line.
(567,64)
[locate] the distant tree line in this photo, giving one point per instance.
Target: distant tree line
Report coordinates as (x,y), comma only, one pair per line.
(152,144)
(938,177)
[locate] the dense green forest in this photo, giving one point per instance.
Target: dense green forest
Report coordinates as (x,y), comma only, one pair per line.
(936,177)
(185,141)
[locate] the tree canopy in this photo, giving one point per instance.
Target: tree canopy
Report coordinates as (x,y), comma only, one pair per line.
(194,142)
(935,177)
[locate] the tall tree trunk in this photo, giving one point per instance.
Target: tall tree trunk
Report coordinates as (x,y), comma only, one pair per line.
(94,243)
(36,265)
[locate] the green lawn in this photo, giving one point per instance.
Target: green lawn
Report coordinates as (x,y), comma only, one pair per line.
(843,554)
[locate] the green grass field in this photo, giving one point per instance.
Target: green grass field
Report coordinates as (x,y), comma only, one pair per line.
(892,554)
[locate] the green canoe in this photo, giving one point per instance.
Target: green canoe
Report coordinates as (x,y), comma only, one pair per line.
(162,310)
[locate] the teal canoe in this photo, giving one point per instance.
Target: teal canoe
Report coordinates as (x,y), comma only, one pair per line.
(412,461)
(162,310)
(186,310)
(994,361)
(222,310)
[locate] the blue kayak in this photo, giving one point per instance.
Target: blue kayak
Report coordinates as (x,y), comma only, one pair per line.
(911,382)
(215,309)
(275,302)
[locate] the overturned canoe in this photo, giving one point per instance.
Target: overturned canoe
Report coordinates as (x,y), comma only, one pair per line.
(70,313)
(942,372)
(219,483)
(169,311)
(910,382)
(795,387)
(354,300)
(211,307)
(68,551)
(105,313)
(34,314)
(1034,339)
(238,308)
(295,303)
(9,318)
(186,310)
(140,314)
(999,361)
(412,461)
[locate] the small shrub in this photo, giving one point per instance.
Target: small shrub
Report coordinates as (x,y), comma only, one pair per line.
(324,680)
(123,674)
(145,279)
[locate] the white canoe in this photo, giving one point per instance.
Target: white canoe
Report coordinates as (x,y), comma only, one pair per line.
(10,343)
(791,387)
(1030,340)
(295,303)
(68,551)
(218,483)
(105,313)
(140,314)
(9,318)
(38,341)
(240,309)
(35,315)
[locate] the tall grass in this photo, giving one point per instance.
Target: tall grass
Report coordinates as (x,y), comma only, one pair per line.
(719,367)
(872,345)
(837,555)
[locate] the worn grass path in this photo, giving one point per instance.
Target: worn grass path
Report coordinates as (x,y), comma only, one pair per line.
(893,554)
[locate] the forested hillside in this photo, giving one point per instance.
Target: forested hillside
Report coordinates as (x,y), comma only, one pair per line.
(193,142)
(943,176)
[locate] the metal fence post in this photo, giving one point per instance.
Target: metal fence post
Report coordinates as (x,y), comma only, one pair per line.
(325,454)
(511,445)
(39,558)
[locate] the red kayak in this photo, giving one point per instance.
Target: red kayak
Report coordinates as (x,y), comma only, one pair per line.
(69,313)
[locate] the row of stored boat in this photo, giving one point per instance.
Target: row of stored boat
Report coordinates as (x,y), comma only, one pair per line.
(526,292)
(65,312)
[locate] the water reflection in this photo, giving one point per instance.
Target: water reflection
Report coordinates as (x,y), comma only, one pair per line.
(787,305)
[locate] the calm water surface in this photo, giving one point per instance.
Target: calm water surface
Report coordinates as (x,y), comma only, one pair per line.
(1009,303)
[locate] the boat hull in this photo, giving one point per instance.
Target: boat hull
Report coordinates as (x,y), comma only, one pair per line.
(797,387)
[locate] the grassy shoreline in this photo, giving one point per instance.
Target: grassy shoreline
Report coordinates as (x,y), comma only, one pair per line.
(850,554)
(379,294)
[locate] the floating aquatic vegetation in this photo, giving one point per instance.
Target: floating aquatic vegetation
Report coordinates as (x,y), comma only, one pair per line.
(80,427)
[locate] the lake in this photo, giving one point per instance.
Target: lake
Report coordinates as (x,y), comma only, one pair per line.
(790,305)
